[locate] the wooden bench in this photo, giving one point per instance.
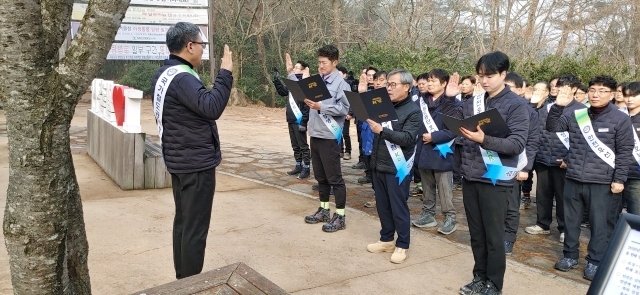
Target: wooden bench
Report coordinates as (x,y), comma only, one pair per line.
(130,159)
(236,278)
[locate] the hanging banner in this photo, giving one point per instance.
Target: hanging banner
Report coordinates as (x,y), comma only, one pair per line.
(184,3)
(141,33)
(153,15)
(141,51)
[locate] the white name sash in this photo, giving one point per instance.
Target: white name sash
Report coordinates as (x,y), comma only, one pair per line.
(443,148)
(563,136)
(636,146)
(333,126)
(160,91)
(603,151)
(295,109)
(495,170)
(403,166)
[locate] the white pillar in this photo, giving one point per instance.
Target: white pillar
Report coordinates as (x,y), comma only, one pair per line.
(96,85)
(106,97)
(132,110)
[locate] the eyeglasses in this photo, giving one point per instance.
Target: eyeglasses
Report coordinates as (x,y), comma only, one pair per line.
(600,92)
(393,85)
(204,44)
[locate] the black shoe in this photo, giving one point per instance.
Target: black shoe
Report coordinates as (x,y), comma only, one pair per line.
(590,271)
(472,288)
(305,173)
(508,247)
(337,223)
(365,179)
(331,191)
(490,289)
(359,165)
(585,224)
(566,264)
(527,202)
(296,170)
(322,215)
(315,187)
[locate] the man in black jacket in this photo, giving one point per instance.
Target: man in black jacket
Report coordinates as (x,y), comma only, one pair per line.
(394,145)
(186,114)
(297,113)
(601,142)
(631,193)
(489,168)
(551,165)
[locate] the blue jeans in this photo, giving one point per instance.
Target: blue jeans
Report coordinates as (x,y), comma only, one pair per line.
(631,196)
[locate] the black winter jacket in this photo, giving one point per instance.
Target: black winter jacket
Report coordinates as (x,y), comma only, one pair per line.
(634,168)
(515,113)
(404,133)
(533,140)
(612,127)
(304,108)
(551,148)
(190,141)
(426,155)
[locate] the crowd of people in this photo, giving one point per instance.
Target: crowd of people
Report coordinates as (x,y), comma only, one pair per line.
(577,137)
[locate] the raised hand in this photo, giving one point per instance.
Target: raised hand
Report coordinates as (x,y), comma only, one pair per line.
(453,87)
(227,59)
(305,73)
(528,93)
(362,85)
(564,96)
(478,88)
(288,63)
(536,96)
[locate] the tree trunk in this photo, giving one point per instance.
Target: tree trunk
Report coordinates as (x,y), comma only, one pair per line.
(494,24)
(635,30)
(337,18)
(43,220)
(566,28)
(259,30)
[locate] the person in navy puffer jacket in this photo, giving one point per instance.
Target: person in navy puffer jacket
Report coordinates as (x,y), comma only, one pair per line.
(186,114)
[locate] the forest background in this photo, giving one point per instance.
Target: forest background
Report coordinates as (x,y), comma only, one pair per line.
(543,38)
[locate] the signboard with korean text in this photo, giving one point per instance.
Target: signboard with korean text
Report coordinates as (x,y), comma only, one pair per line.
(153,15)
(619,271)
(141,33)
(142,51)
(184,3)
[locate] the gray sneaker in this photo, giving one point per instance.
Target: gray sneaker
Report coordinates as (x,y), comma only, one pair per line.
(426,220)
(449,226)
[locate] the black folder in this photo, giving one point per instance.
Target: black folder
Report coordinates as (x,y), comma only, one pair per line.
(375,105)
(490,121)
(312,88)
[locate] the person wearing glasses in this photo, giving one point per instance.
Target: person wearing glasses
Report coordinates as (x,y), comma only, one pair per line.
(618,98)
(186,113)
(394,145)
(598,161)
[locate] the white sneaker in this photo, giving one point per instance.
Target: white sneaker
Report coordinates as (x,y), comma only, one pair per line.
(536,230)
(399,255)
(379,247)
(561,239)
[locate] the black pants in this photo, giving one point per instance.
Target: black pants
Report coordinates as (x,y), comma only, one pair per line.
(486,206)
(325,159)
(367,166)
(299,144)
(361,154)
(457,158)
(512,219)
(527,185)
(345,143)
(193,196)
(393,210)
(550,185)
(602,206)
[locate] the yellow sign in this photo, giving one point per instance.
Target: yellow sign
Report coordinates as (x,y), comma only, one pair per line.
(376,100)
(484,121)
(383,116)
(313,85)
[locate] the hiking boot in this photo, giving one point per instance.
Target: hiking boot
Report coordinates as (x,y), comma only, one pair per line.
(590,271)
(526,201)
(457,187)
(398,256)
(380,247)
(566,264)
(337,223)
(426,220)
(585,224)
(536,230)
(449,226)
(561,239)
(472,288)
(508,247)
(305,173)
(364,179)
(315,187)
(296,170)
(347,156)
(490,289)
(322,215)
(359,165)
(417,191)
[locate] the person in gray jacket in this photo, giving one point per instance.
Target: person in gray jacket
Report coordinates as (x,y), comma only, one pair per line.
(326,120)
